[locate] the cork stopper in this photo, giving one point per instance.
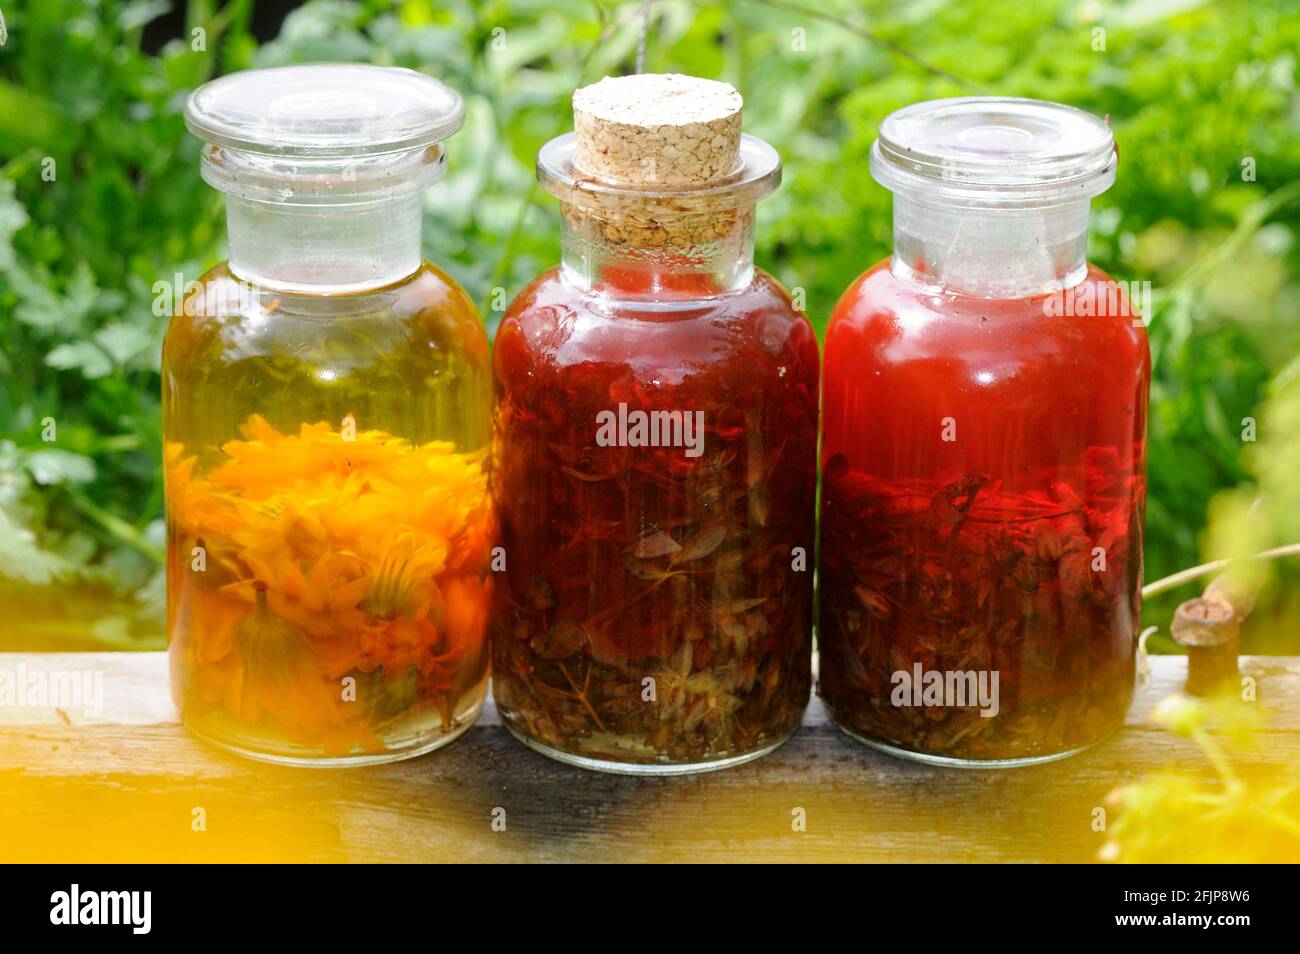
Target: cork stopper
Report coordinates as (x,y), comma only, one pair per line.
(658,165)
(660,130)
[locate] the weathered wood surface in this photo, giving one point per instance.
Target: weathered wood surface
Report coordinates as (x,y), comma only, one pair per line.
(125,784)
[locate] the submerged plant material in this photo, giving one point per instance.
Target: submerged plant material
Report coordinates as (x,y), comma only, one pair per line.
(966,577)
(982,501)
(329,591)
(656,608)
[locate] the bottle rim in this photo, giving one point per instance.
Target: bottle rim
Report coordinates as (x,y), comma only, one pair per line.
(324,110)
(323,133)
(996,151)
(756,176)
(321,182)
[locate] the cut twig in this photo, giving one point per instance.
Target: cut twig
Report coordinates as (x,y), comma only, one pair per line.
(1175,580)
(1209,628)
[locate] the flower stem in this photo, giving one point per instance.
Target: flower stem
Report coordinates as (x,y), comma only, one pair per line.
(117,527)
(1175,580)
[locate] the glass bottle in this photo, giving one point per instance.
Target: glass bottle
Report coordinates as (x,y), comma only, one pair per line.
(326,416)
(983,449)
(655,450)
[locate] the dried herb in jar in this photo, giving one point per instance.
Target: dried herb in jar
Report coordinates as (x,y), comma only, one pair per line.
(629,564)
(655,450)
(983,448)
(967,577)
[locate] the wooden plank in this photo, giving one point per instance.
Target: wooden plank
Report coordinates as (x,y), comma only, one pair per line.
(123,783)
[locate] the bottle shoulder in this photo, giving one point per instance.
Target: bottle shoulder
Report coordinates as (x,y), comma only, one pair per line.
(552,324)
(890,316)
(221,318)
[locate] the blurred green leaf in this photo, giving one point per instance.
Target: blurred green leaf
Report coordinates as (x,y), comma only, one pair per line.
(12,217)
(90,359)
(52,466)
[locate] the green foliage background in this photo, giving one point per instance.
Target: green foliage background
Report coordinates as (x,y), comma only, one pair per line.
(100,198)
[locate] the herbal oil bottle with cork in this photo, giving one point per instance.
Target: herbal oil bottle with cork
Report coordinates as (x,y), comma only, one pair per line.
(984,449)
(326,415)
(655,450)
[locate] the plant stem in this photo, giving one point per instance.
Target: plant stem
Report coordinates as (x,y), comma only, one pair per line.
(1254,217)
(117,527)
(1175,580)
(1288,825)
(1219,760)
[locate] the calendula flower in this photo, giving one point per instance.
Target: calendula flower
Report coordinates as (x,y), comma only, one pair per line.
(404,562)
(276,672)
(360,558)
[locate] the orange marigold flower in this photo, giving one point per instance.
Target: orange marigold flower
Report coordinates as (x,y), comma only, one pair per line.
(335,557)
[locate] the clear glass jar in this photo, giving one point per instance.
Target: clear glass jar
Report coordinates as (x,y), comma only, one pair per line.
(655,616)
(983,449)
(326,416)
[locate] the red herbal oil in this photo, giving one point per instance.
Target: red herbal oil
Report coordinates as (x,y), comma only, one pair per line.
(655,451)
(983,449)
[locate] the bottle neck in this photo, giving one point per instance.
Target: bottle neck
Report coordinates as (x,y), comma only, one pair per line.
(990,252)
(678,258)
(324,248)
